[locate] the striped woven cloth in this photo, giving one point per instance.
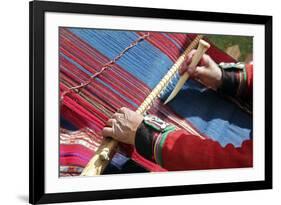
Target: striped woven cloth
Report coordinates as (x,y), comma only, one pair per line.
(126,83)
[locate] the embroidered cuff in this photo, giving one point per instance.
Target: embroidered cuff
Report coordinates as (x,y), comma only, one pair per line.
(143,141)
(151,136)
(234,78)
(159,143)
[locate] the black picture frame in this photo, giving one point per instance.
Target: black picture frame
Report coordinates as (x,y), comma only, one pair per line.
(37,11)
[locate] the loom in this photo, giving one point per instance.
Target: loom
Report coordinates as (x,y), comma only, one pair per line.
(99,161)
(84,51)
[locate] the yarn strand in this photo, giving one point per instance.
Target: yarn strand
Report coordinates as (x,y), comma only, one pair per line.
(103,68)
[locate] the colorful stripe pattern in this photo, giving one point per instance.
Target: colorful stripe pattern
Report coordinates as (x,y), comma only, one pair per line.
(83,52)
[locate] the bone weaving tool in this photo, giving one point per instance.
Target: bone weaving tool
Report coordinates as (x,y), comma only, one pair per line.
(202,48)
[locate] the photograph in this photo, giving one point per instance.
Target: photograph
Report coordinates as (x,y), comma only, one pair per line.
(129,102)
(118,114)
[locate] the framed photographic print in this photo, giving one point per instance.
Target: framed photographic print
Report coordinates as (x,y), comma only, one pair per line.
(140,102)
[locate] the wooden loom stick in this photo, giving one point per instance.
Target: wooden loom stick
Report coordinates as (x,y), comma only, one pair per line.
(102,156)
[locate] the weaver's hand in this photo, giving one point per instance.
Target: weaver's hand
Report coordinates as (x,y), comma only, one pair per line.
(207,71)
(123,125)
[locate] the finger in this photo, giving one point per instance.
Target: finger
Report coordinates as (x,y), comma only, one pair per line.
(185,64)
(204,60)
(183,69)
(117,116)
(107,132)
(200,72)
(110,122)
(187,67)
(122,110)
(191,70)
(192,52)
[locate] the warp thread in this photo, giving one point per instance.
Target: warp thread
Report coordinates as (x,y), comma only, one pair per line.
(104,67)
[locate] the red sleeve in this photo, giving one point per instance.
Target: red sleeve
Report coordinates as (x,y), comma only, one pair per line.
(183,151)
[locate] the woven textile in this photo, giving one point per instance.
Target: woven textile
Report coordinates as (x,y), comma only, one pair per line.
(82,52)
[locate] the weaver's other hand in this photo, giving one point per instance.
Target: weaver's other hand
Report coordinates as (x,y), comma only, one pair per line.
(123,125)
(207,71)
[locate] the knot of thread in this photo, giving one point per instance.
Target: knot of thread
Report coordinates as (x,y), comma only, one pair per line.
(107,65)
